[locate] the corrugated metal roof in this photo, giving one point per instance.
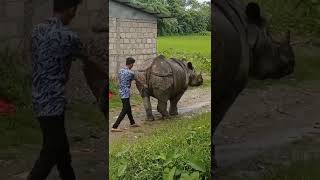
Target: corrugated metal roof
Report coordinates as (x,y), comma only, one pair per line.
(141,8)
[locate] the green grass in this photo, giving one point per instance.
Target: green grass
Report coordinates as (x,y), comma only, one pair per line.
(206,81)
(195,49)
(23,128)
(87,114)
(179,146)
(190,44)
(20,128)
(301,20)
(307,68)
(15,78)
(115,101)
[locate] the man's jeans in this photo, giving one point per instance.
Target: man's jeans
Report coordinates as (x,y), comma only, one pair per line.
(55,150)
(126,110)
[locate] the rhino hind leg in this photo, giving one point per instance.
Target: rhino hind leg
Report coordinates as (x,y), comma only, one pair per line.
(162,109)
(173,111)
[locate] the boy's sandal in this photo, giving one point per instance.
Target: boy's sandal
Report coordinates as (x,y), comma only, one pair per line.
(135,125)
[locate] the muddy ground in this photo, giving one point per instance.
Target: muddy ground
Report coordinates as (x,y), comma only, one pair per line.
(265,122)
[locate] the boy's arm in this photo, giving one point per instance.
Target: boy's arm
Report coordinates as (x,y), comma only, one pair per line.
(79,50)
(136,79)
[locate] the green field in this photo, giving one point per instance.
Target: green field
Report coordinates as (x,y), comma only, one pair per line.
(190,44)
(194,48)
(177,149)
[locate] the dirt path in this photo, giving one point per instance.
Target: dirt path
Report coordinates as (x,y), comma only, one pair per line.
(194,100)
(262,120)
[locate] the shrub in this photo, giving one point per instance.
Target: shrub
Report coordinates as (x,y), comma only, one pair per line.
(15,78)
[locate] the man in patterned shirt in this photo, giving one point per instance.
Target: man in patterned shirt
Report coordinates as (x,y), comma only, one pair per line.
(54,46)
(125,78)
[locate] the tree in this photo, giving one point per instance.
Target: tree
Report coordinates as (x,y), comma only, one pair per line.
(188,16)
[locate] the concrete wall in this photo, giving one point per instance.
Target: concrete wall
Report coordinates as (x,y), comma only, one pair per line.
(131,33)
(12,22)
(17,18)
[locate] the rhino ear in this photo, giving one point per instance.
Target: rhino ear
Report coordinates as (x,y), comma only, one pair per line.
(190,66)
(253,13)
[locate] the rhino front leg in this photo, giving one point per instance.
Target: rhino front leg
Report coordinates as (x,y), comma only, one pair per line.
(162,108)
(173,105)
(146,100)
(148,108)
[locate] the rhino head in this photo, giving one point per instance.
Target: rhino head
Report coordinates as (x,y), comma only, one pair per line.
(194,79)
(269,58)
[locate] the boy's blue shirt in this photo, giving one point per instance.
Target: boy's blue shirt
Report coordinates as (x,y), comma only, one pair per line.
(125,78)
(53,46)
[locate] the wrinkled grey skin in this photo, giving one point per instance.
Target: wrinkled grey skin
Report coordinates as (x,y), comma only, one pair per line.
(242,49)
(165,80)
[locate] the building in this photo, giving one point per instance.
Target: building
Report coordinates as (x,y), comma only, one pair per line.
(17,18)
(132,32)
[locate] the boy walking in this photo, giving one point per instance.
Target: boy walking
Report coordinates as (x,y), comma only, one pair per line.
(125,78)
(54,46)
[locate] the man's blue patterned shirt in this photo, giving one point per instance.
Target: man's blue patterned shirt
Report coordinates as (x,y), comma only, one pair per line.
(125,78)
(53,46)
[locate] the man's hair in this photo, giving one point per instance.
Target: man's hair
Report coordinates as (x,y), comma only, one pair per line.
(62,5)
(130,60)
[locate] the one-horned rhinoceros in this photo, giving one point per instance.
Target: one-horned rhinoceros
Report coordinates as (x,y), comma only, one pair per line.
(243,47)
(165,80)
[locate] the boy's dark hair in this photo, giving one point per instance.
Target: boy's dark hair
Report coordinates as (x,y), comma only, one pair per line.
(130,60)
(62,5)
